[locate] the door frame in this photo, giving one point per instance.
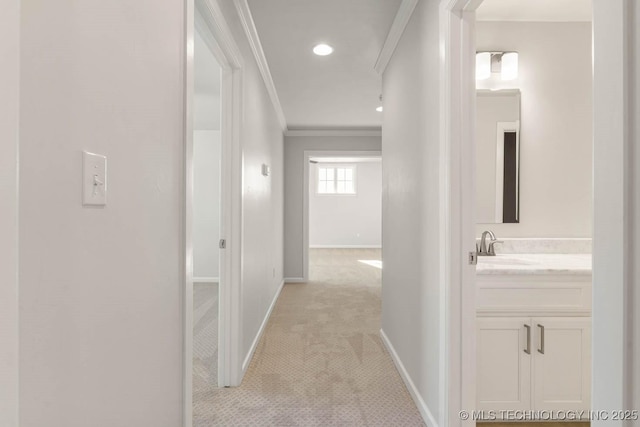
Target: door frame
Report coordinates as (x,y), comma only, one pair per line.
(207,16)
(611,316)
(305,195)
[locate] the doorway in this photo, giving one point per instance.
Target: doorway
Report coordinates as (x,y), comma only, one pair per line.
(213,207)
(458,192)
(342,205)
(206,220)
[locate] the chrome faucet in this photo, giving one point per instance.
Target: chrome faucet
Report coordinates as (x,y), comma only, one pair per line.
(483,250)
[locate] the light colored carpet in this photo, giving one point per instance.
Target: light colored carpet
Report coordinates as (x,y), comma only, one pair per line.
(535,424)
(205,344)
(321,361)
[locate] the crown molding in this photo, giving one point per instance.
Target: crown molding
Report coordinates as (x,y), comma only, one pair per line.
(254,41)
(220,36)
(333,132)
(393,38)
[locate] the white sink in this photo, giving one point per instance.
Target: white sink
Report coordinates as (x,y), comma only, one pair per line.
(499,260)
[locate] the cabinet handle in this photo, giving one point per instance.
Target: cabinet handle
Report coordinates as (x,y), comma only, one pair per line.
(528,349)
(541,349)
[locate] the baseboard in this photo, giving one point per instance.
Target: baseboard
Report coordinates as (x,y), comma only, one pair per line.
(256,340)
(295,280)
(426,414)
(345,247)
(206,280)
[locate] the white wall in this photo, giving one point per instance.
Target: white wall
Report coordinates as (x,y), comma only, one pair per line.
(410,194)
(295,146)
(338,220)
(100,307)
(206,162)
(9,100)
(555,79)
(100,289)
(206,204)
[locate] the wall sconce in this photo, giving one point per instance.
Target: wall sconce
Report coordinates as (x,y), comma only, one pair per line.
(505,63)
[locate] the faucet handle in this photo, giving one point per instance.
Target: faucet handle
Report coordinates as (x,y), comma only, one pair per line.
(492,250)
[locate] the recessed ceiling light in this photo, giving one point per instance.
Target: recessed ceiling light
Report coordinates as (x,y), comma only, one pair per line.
(323,49)
(379,109)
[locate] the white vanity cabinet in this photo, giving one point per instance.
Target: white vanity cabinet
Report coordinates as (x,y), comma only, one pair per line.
(533,343)
(503,368)
(561,368)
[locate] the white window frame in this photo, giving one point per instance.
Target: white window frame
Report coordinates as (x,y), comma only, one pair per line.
(335,167)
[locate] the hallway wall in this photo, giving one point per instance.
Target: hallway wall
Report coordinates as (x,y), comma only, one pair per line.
(410,218)
(9,105)
(100,288)
(295,146)
(101,325)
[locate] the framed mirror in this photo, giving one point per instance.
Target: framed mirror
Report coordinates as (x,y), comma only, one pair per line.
(498,156)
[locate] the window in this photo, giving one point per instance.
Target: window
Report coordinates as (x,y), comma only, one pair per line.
(336,180)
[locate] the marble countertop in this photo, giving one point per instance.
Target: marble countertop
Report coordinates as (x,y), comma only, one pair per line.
(575,264)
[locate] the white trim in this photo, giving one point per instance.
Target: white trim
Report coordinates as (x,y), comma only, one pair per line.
(305,196)
(395,33)
(334,132)
(203,280)
(345,246)
(256,340)
(295,280)
(256,47)
(426,414)
(457,211)
(187,217)
(613,220)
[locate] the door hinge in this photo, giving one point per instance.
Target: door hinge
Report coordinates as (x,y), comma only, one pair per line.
(473,258)
(223,244)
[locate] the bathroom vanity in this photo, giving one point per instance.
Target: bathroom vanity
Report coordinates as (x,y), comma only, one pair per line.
(534,332)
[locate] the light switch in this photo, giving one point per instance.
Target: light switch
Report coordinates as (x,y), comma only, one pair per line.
(266,170)
(94,179)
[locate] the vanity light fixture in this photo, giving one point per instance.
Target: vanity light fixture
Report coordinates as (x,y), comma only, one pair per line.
(323,49)
(509,66)
(379,109)
(505,63)
(483,65)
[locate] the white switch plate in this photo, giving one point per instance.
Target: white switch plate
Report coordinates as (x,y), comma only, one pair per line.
(94,179)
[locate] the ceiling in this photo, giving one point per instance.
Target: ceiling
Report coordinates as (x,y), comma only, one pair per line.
(535,10)
(339,91)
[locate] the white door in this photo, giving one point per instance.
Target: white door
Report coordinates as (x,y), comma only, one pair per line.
(562,364)
(504,351)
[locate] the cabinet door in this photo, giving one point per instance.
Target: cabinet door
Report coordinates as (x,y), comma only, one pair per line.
(562,363)
(504,366)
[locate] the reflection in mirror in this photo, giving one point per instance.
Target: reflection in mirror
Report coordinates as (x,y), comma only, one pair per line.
(497,156)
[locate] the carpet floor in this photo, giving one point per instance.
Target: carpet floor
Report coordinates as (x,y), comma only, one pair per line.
(205,343)
(320,361)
